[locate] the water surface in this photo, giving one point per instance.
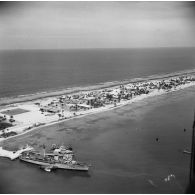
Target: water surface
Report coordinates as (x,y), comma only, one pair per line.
(25,72)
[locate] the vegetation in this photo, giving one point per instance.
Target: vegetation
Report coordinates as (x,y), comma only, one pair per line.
(8,134)
(4,125)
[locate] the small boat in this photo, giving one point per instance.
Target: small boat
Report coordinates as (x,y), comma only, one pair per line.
(46,168)
(186,152)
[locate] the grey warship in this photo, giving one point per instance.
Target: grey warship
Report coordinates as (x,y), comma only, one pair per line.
(58,158)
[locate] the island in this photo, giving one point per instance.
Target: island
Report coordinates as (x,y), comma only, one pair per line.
(21,117)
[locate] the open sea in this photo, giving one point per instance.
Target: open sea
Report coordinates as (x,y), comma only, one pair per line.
(120,144)
(31,71)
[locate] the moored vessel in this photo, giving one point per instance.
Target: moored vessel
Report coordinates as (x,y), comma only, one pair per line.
(58,158)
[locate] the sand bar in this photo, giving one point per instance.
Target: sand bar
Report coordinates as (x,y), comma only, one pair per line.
(29,115)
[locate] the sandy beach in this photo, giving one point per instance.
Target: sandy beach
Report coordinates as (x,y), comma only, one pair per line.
(53,93)
(30,115)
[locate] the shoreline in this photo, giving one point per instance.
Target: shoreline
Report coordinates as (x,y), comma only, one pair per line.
(80,116)
(12,155)
(5,101)
(23,130)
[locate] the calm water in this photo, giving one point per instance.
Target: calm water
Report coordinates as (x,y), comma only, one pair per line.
(24,72)
(121,146)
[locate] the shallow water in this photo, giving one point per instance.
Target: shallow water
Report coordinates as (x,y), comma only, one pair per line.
(121,146)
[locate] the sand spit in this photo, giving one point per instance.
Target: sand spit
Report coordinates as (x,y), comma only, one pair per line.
(13,154)
(30,115)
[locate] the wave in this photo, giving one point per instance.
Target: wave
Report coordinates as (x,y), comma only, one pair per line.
(87,87)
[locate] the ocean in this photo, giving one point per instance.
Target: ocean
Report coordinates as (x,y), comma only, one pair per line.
(120,144)
(31,71)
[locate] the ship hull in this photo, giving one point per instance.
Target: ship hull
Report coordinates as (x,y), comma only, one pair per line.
(58,165)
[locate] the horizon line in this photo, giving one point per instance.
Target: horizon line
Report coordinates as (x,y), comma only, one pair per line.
(93,48)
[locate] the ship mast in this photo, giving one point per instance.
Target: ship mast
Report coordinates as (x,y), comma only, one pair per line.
(43,150)
(192,163)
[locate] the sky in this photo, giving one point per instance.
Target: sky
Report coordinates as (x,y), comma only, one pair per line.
(64,25)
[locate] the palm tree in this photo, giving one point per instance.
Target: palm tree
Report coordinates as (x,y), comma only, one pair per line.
(11,119)
(76,107)
(59,115)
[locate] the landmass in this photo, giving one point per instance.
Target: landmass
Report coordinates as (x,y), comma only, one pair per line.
(14,154)
(19,118)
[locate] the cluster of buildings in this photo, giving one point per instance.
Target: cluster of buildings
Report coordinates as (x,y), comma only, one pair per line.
(110,96)
(29,115)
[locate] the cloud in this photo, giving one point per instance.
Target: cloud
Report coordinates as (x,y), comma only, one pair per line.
(36,25)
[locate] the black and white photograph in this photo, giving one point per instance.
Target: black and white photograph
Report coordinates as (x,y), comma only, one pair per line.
(97,97)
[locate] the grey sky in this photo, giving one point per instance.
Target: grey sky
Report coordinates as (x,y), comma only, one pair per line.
(56,25)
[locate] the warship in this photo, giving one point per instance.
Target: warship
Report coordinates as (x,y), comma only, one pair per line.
(58,158)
